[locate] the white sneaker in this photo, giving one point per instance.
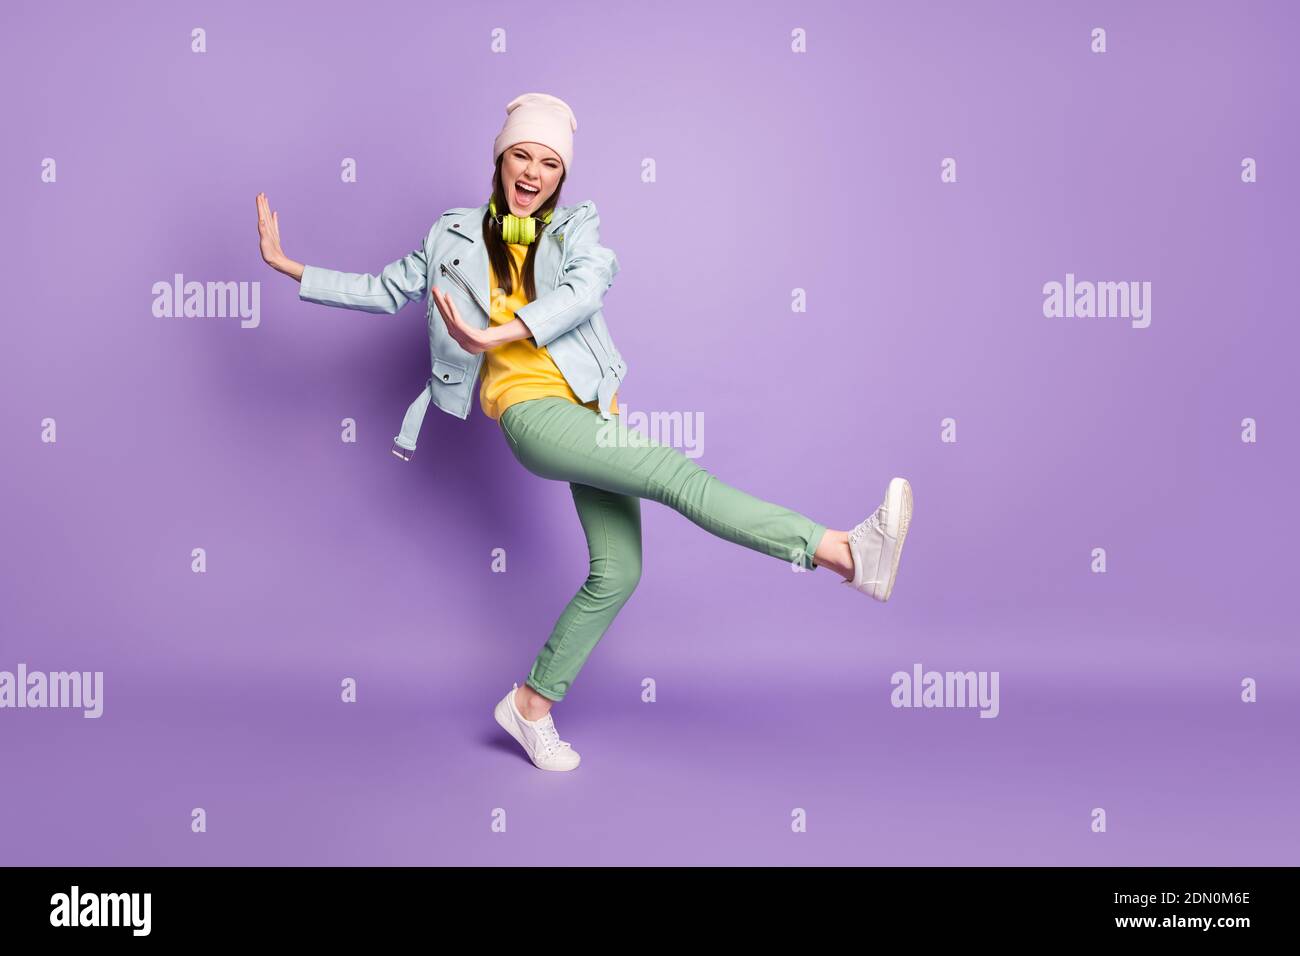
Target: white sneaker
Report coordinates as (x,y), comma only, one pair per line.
(877,543)
(539,738)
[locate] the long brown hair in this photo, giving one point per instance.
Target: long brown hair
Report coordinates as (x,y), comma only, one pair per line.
(502,262)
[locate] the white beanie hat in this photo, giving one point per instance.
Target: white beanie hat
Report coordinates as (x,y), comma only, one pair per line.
(538,118)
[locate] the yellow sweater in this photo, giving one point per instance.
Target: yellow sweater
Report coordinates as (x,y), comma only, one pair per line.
(519,370)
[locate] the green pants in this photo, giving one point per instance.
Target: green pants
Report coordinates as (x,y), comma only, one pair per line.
(610,468)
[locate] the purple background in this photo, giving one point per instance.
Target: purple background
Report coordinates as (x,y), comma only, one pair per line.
(775,171)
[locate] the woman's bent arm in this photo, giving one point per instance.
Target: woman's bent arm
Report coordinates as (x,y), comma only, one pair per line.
(581,289)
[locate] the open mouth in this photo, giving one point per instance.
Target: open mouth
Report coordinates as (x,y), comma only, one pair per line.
(524,195)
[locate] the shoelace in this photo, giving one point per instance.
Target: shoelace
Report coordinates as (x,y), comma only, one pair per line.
(860,531)
(550,736)
(870,524)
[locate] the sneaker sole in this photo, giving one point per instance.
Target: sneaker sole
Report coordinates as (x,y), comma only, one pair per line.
(904,521)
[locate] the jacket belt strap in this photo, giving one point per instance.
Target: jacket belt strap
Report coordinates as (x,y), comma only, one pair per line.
(404,442)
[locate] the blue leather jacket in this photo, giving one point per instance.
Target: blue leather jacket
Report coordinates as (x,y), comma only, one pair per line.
(572,272)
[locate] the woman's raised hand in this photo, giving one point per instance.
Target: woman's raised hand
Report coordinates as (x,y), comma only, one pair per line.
(268,231)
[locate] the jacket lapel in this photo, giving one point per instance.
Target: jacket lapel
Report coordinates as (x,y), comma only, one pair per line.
(472,252)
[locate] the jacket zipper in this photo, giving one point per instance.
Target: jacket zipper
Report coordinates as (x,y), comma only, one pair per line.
(464,284)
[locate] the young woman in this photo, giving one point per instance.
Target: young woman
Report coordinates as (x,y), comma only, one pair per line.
(549,373)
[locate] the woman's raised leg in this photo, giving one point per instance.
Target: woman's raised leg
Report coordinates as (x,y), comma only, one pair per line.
(558,439)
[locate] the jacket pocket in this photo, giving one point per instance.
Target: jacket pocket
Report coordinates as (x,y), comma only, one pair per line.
(448,372)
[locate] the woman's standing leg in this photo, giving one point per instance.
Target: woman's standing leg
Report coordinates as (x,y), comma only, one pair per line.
(612,524)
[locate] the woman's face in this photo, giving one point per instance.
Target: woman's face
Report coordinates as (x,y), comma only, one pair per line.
(525,166)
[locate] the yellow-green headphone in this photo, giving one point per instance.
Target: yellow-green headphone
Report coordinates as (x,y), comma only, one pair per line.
(521,230)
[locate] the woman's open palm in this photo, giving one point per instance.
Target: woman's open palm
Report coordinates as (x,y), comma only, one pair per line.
(468,337)
(268,231)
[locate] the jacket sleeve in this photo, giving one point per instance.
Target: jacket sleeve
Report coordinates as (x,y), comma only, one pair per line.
(578,296)
(397,284)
